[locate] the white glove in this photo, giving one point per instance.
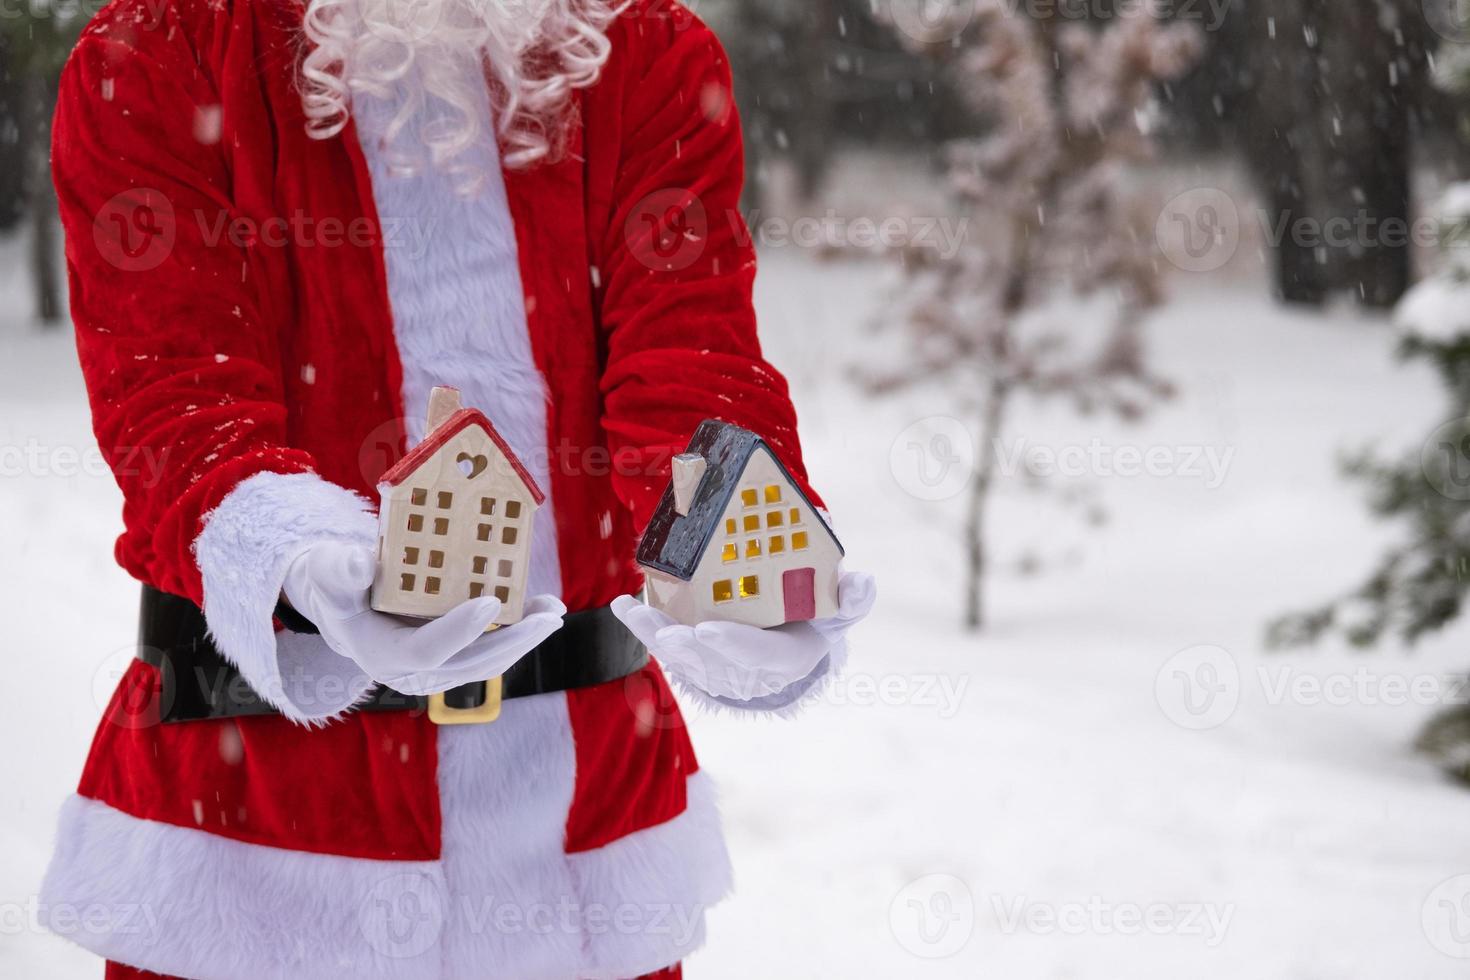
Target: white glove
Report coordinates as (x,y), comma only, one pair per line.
(736,662)
(329,585)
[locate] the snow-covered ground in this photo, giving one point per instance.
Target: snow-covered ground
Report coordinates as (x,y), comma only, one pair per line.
(1114,780)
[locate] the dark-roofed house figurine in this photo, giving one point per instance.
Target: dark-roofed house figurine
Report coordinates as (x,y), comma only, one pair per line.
(454,521)
(735,539)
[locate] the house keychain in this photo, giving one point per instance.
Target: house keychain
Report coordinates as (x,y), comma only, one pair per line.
(454,523)
(735,539)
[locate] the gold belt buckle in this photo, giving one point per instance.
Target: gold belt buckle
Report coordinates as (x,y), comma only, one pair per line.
(441,713)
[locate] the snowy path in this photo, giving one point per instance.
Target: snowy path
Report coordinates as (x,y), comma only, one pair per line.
(1035,763)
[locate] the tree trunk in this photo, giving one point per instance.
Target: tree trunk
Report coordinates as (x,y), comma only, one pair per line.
(975,545)
(45,275)
(37,102)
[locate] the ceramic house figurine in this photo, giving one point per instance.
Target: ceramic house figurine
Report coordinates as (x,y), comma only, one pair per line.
(454,521)
(734,539)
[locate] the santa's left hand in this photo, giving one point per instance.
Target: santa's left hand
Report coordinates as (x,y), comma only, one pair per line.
(733,661)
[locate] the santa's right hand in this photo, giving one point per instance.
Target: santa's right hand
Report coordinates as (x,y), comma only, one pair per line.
(330,583)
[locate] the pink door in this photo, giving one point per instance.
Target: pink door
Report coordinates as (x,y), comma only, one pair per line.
(799,588)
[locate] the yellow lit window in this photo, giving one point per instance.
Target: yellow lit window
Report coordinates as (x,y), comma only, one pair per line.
(773,494)
(436,559)
(415,522)
(446,499)
(477,589)
(431,585)
(502,592)
(419,497)
(487,505)
(795,516)
(410,556)
(730,525)
(747,496)
(774,518)
(750,585)
(406,582)
(483,532)
(798,541)
(479,564)
(724,590)
(730,552)
(441,525)
(512,509)
(752,522)
(778,544)
(753,548)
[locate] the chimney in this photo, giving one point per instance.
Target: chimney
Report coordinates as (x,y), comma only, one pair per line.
(443,402)
(688,472)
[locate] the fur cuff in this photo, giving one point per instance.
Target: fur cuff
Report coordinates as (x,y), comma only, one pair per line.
(784,703)
(247,544)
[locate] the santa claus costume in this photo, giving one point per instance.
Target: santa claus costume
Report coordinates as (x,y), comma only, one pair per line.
(264,291)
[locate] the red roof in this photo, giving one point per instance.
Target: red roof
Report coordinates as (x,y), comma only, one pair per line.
(420,454)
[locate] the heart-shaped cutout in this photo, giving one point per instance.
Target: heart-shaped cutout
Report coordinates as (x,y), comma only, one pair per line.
(471,466)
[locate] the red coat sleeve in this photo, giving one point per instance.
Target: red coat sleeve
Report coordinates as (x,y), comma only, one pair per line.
(182,372)
(677,264)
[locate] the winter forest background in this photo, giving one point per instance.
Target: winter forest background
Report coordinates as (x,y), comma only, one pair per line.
(1131,340)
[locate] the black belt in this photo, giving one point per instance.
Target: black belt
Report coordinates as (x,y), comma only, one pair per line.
(592,647)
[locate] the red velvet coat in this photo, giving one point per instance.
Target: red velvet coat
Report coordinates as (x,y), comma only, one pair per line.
(227,359)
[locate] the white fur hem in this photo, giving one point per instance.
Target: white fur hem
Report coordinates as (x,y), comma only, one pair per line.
(185,902)
(247,544)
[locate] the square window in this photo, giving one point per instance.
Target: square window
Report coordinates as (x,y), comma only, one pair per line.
(795,516)
(750,585)
(483,532)
(505,568)
(431,585)
(502,593)
(512,509)
(410,556)
(724,590)
(730,525)
(798,541)
(777,544)
(415,522)
(748,496)
(419,497)
(774,518)
(752,522)
(436,559)
(479,564)
(441,525)
(477,589)
(405,583)
(487,505)
(508,535)
(446,499)
(773,494)
(752,547)
(730,552)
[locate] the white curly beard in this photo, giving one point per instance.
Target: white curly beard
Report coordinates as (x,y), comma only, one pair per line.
(434,54)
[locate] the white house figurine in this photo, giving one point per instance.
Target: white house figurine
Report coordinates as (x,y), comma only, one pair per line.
(735,539)
(455,518)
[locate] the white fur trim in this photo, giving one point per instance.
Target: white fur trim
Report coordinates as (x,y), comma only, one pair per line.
(192,904)
(505,902)
(660,881)
(459,313)
(243,552)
